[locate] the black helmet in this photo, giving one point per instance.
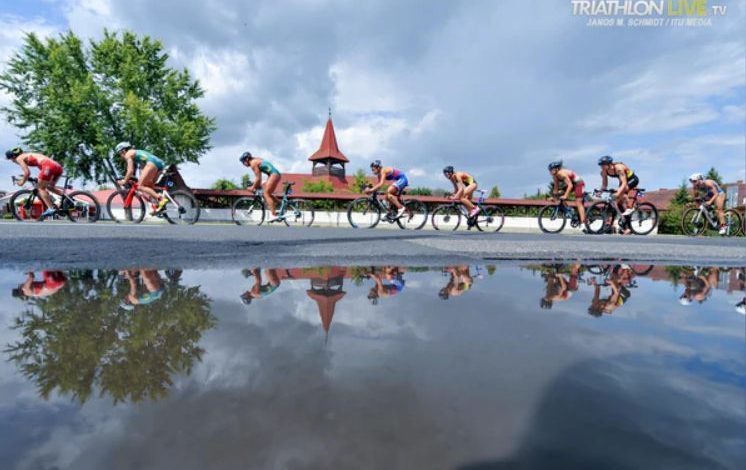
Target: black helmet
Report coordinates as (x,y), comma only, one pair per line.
(13,153)
(555,165)
(375,164)
(448,170)
(245,157)
(605,160)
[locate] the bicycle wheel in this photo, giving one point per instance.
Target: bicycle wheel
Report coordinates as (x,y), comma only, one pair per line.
(644,219)
(185,211)
(490,219)
(732,223)
(446,217)
(26,206)
(248,211)
(363,213)
(598,218)
(299,213)
(82,207)
(121,213)
(415,216)
(693,222)
(552,219)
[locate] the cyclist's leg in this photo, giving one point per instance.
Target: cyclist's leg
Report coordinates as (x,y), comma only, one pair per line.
(719,208)
(466,197)
(393,194)
(269,188)
(579,203)
(147,179)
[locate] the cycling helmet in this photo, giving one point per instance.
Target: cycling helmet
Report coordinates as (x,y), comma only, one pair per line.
(375,164)
(684,300)
(122,146)
(556,165)
(605,160)
(13,153)
(448,170)
(696,177)
(245,157)
(246,298)
(741,307)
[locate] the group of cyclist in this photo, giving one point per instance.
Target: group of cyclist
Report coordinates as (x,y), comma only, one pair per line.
(464,184)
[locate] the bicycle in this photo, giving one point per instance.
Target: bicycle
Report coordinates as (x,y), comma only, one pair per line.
(448,216)
(78,206)
(696,220)
(366,212)
(602,214)
(127,205)
(552,218)
(250,210)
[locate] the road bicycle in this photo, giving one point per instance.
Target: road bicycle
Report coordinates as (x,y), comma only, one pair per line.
(601,215)
(448,216)
(367,212)
(127,204)
(553,217)
(78,206)
(698,219)
(251,210)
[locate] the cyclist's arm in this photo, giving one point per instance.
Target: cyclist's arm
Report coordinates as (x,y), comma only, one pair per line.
(257,178)
(381,181)
(130,172)
(25,170)
(568,186)
(714,192)
(622,182)
(604,180)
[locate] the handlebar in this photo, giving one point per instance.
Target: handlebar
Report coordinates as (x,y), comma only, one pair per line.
(30,179)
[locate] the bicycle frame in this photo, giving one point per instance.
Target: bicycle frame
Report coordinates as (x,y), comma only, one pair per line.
(35,191)
(283,201)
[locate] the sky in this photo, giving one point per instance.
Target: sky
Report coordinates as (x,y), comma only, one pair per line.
(494,88)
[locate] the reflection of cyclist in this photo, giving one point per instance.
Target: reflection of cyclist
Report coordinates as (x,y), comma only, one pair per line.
(558,287)
(150,167)
(572,182)
(464,186)
(398,181)
(52,282)
(153,285)
(261,289)
(698,287)
(459,283)
(389,282)
(714,196)
(259,166)
(618,280)
(49,172)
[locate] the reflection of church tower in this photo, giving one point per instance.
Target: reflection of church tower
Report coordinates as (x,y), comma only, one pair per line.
(328,159)
(326,290)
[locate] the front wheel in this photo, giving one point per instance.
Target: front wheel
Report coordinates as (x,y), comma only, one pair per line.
(182,209)
(125,208)
(363,213)
(26,206)
(299,213)
(446,217)
(693,222)
(552,219)
(415,216)
(248,211)
(490,219)
(644,219)
(82,207)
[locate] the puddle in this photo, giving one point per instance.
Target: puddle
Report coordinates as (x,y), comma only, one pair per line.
(490,366)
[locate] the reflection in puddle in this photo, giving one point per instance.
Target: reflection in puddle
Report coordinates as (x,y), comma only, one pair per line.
(457,366)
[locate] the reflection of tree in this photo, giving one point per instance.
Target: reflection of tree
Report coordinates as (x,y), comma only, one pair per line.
(80,338)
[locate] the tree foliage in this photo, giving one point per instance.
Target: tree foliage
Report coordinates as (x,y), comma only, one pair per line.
(712,174)
(420,191)
(359,181)
(494,193)
(224,184)
(76,101)
(320,186)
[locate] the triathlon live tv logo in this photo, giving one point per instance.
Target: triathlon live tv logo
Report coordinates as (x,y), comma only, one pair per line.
(672,13)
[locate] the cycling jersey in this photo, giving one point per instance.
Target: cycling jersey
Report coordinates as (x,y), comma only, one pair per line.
(267,289)
(629,173)
(718,189)
(468,180)
(394,286)
(49,170)
(399,178)
(268,169)
(143,157)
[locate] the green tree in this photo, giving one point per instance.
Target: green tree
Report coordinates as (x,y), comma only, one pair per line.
(223,184)
(320,186)
(712,174)
(420,191)
(494,193)
(359,181)
(682,195)
(670,220)
(76,101)
(246,181)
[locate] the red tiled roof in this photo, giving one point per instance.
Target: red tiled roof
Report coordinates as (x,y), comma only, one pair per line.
(329,148)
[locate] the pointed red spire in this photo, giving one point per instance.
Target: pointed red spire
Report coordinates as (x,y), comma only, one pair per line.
(326,301)
(329,148)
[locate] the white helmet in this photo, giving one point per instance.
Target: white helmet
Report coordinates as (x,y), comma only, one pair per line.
(741,307)
(696,177)
(684,300)
(122,146)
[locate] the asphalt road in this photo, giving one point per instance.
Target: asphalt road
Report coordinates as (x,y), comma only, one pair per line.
(64,245)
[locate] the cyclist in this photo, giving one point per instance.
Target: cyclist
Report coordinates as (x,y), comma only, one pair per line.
(699,286)
(714,195)
(49,172)
(389,282)
(460,282)
(259,166)
(558,287)
(52,282)
(628,181)
(150,168)
(260,289)
(394,191)
(464,186)
(573,183)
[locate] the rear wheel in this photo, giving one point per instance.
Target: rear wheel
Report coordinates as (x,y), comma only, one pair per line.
(134,211)
(644,219)
(26,206)
(299,213)
(598,218)
(248,211)
(552,219)
(185,211)
(490,219)
(363,213)
(82,207)
(446,217)
(732,223)
(415,217)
